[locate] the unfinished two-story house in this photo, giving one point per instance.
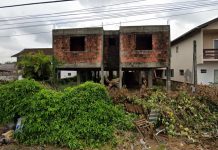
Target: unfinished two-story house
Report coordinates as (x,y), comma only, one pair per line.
(130,54)
(183,55)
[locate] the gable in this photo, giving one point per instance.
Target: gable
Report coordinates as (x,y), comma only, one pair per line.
(212,26)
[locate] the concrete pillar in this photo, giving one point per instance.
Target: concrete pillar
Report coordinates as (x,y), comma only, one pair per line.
(168,81)
(140,77)
(78,77)
(102,76)
(98,74)
(150,78)
(58,73)
(93,75)
(120,78)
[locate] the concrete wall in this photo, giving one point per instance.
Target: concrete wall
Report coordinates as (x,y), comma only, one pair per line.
(132,58)
(182,58)
(207,77)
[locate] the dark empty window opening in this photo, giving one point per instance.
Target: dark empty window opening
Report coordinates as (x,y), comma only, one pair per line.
(177,49)
(203,70)
(159,73)
(172,72)
(77,43)
(112,41)
(69,74)
(144,42)
(181,72)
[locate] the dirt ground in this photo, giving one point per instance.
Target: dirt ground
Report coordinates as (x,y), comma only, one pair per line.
(133,141)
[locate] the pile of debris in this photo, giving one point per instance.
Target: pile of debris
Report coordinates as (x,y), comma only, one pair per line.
(7,132)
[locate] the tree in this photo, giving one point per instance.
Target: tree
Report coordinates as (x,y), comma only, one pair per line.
(36,66)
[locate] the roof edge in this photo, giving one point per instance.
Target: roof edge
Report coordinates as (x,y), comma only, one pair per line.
(192,31)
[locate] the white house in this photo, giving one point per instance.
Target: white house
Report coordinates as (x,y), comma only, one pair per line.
(206,37)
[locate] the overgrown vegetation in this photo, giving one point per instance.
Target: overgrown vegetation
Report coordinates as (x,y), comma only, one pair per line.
(37,66)
(182,113)
(15,98)
(85,116)
(82,116)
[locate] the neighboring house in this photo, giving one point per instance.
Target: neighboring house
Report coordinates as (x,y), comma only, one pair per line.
(130,54)
(206,37)
(46,51)
(8,72)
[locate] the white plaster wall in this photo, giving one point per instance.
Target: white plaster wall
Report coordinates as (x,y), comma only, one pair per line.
(206,78)
(64,74)
(183,59)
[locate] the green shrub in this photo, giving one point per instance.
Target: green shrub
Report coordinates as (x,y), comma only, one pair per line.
(82,116)
(15,98)
(41,122)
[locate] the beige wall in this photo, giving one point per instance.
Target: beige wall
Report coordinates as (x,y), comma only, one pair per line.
(183,59)
(209,39)
(210,33)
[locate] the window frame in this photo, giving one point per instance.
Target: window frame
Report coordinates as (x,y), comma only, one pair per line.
(172,73)
(180,72)
(214,43)
(203,70)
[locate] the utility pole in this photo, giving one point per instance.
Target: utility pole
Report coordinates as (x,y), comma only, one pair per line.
(195,62)
(102,56)
(120,65)
(168,81)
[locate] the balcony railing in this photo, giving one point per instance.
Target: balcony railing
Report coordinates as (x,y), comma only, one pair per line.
(210,54)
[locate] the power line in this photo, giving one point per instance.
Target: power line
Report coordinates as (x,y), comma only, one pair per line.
(69,13)
(37,3)
(82,19)
(136,13)
(152,18)
(86,9)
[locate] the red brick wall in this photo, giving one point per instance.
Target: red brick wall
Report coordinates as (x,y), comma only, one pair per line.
(91,55)
(160,45)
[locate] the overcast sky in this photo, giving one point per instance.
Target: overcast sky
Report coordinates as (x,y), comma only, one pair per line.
(149,12)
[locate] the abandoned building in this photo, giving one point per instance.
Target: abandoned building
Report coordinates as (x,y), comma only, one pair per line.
(130,54)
